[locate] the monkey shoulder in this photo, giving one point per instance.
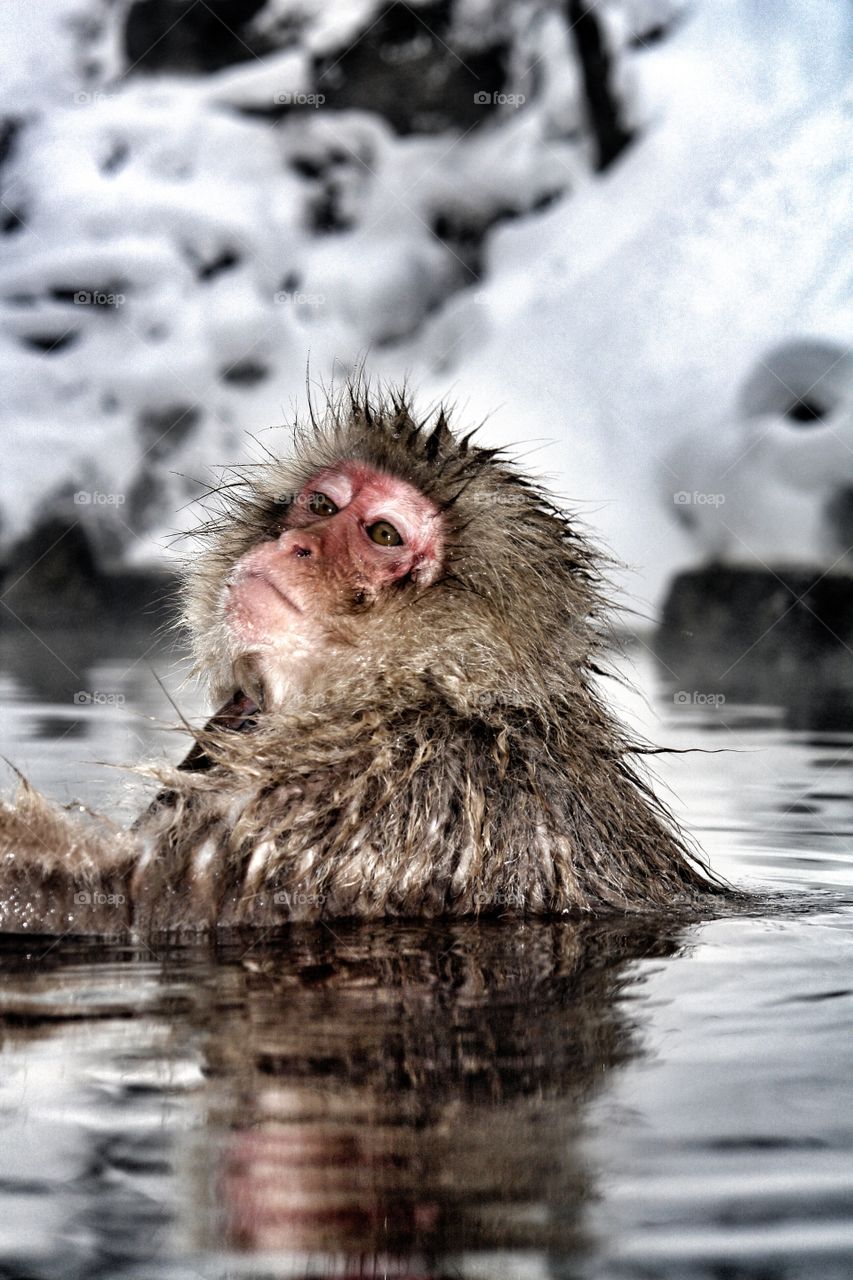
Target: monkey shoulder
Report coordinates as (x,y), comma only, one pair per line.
(393,816)
(423,811)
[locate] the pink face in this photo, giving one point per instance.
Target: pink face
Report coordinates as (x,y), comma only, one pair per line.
(351,533)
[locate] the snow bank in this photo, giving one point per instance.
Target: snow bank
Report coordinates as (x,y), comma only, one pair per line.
(189,242)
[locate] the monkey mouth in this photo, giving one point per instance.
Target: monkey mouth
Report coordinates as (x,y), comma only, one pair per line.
(257,575)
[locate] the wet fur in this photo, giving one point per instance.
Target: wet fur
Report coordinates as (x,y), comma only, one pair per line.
(459,760)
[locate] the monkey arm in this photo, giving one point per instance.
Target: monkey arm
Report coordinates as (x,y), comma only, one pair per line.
(61,871)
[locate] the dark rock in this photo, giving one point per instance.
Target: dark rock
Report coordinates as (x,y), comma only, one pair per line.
(11,213)
(143,497)
(116,158)
(645,36)
(804,379)
(184,35)
(405,67)
(52,569)
(162,431)
(331,178)
(756,635)
(325,212)
(213,267)
(12,220)
(10,127)
(51,575)
(608,128)
(102,296)
(310,167)
(50,343)
(245,374)
(806,411)
(839,519)
(464,235)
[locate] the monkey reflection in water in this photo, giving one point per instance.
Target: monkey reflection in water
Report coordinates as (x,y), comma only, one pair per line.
(362,1099)
(420,1091)
(403,635)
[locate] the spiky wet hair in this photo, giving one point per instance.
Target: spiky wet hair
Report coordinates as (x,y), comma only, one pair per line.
(464,762)
(517,609)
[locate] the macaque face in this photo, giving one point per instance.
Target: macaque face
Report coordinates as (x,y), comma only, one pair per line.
(351,536)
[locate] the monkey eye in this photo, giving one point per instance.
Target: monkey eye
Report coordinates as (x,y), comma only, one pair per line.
(321,505)
(385,534)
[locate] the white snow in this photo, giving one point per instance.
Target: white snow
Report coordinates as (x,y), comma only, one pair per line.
(608,337)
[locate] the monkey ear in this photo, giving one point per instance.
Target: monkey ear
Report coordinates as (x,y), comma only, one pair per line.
(439,439)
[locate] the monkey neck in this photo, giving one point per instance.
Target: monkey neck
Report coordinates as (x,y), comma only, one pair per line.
(276,685)
(239,715)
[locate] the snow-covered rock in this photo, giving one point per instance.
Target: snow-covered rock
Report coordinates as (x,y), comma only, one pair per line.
(178,247)
(771,484)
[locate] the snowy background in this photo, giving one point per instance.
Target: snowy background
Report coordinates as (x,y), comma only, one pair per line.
(636,259)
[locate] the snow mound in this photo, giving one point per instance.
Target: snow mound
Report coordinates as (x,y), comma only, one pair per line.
(178,246)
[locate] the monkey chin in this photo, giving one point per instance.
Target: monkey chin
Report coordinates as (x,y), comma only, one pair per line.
(275,682)
(277,654)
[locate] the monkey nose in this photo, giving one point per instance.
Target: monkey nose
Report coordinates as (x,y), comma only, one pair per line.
(300,543)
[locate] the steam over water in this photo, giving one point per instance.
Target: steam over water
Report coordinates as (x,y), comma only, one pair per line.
(557,1099)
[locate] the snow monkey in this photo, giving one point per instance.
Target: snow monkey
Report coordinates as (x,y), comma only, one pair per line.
(403,634)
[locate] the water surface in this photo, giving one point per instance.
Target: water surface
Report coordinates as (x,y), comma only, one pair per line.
(611,1099)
